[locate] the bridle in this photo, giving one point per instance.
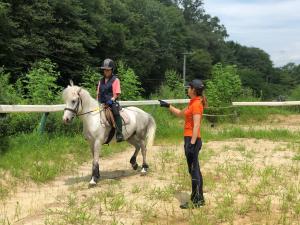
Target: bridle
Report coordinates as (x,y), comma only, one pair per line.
(76,108)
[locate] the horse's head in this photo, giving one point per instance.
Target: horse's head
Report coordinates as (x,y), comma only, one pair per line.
(72,99)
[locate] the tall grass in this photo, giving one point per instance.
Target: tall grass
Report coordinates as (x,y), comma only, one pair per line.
(43,157)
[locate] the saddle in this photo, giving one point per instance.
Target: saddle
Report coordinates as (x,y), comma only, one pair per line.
(108,121)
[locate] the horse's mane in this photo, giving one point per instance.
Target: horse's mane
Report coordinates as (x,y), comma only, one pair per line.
(74,90)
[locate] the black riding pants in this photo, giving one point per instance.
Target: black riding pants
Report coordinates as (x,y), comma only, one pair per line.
(193,165)
(115,109)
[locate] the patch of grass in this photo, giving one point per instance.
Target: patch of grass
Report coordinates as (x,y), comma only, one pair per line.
(76,212)
(246,206)
(200,217)
(116,203)
(136,189)
(43,157)
(4,190)
(224,209)
(165,158)
(240,148)
(247,170)
(237,132)
(148,212)
(260,114)
(227,171)
(182,179)
(206,154)
(162,194)
(296,157)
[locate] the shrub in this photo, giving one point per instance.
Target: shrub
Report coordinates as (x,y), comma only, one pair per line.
(172,86)
(8,94)
(130,84)
(90,79)
(224,86)
(41,82)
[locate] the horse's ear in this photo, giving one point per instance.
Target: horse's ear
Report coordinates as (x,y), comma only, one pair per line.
(79,90)
(72,83)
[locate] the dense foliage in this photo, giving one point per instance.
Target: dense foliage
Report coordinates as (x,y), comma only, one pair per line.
(148,36)
(224,86)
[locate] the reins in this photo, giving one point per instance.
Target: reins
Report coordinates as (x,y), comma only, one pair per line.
(75,110)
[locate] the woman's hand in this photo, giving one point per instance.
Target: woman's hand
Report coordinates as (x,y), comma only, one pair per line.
(191,148)
(164,104)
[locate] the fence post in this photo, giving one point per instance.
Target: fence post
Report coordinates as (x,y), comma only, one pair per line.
(42,124)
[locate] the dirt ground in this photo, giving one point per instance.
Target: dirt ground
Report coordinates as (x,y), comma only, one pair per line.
(246,181)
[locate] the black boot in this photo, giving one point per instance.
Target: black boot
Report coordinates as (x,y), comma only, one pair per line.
(197,201)
(119,135)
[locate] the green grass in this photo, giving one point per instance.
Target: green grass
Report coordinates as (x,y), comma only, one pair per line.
(43,157)
(261,113)
(236,132)
(296,157)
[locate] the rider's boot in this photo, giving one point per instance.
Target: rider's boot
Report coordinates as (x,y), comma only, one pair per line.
(119,135)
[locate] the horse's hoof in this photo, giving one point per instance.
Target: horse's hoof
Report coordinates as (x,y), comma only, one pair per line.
(135,166)
(143,172)
(92,183)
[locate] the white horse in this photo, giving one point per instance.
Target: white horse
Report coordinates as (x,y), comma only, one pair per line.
(140,131)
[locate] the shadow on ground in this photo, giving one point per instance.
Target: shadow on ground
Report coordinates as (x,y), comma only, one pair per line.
(105,175)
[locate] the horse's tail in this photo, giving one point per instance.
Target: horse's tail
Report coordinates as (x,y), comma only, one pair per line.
(151,128)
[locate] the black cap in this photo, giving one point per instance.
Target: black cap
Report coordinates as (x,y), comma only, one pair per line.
(108,64)
(197,84)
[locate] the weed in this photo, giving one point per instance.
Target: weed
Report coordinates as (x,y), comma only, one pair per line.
(136,189)
(117,202)
(225,209)
(148,212)
(76,213)
(296,157)
(162,194)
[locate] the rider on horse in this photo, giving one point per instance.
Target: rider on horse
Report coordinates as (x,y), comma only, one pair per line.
(108,92)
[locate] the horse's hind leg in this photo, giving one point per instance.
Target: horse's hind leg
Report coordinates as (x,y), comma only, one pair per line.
(135,143)
(145,166)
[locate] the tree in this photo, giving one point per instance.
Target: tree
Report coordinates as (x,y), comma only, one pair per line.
(54,29)
(41,82)
(130,84)
(224,86)
(199,65)
(90,79)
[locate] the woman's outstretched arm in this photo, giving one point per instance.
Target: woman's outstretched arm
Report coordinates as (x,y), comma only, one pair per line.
(177,112)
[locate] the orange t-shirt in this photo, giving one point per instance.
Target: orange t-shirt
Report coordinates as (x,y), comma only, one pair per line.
(195,107)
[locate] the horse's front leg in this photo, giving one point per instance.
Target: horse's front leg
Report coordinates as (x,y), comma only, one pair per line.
(95,169)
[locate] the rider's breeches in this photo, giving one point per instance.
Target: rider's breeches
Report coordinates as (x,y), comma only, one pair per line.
(117,116)
(115,110)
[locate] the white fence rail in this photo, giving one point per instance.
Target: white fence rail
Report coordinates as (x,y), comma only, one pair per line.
(57,108)
(287,103)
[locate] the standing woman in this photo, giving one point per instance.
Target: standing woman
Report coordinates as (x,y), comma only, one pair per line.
(192,138)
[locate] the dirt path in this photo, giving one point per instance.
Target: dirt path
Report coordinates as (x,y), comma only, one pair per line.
(29,204)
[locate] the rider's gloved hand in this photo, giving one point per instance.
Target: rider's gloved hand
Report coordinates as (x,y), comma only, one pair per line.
(164,104)
(109,102)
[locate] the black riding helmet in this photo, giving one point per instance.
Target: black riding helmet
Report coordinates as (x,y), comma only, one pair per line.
(108,64)
(197,84)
